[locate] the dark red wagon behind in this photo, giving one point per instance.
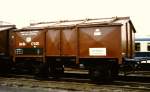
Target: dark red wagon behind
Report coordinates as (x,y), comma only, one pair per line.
(5,29)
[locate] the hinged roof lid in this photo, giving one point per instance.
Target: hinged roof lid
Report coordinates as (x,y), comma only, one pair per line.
(70,23)
(6,26)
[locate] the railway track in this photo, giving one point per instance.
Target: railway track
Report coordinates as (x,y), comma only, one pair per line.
(76,83)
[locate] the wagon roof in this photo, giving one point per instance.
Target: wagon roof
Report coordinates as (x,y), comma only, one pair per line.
(85,22)
(6,26)
(143,38)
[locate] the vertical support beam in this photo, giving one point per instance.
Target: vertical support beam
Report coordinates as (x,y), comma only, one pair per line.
(131,43)
(78,45)
(44,47)
(60,41)
(126,39)
(13,46)
(7,42)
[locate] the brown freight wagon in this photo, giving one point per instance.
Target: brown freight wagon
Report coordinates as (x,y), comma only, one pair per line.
(98,45)
(5,28)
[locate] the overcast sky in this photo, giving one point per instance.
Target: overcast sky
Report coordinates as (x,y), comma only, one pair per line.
(23,12)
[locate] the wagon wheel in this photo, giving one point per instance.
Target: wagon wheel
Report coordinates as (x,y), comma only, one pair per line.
(42,71)
(100,74)
(56,70)
(5,67)
(36,68)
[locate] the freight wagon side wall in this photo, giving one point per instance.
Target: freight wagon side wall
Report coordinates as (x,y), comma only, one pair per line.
(101,42)
(61,45)
(28,44)
(61,42)
(85,42)
(127,40)
(53,43)
(124,41)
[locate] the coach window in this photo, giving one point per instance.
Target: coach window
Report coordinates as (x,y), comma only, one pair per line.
(137,46)
(148,46)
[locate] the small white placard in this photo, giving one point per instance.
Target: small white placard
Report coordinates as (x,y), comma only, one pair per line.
(97,51)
